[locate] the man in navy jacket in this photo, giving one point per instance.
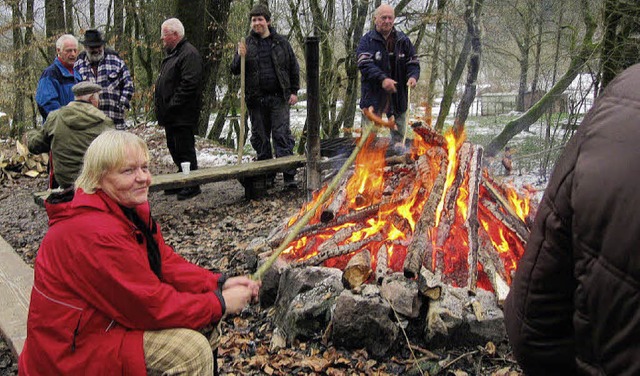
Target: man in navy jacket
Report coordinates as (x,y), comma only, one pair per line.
(389,66)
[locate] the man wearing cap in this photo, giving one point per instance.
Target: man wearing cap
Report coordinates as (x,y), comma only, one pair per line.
(272,81)
(178,98)
(54,86)
(67,133)
(105,67)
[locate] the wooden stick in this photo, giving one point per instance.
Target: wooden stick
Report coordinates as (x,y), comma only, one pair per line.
(406,122)
(321,200)
(243,109)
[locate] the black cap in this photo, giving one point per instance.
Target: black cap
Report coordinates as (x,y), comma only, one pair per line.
(260,10)
(93,38)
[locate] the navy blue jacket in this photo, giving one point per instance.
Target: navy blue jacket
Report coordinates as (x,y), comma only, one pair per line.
(374,65)
(54,88)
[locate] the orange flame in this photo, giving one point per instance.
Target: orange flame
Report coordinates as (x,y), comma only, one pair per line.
(520,205)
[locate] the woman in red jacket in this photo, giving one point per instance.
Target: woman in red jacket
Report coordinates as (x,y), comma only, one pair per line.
(109,296)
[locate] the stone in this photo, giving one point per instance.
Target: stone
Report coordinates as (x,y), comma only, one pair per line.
(402,293)
(364,320)
(306,297)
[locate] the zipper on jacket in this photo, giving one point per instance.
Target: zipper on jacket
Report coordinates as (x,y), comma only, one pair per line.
(75,334)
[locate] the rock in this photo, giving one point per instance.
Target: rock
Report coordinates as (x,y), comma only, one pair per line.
(463,318)
(364,320)
(271,281)
(402,293)
(305,299)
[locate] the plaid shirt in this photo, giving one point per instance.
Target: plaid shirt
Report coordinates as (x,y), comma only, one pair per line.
(116,82)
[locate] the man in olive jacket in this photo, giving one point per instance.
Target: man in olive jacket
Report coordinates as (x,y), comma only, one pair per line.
(68,131)
(272,83)
(178,98)
(574,305)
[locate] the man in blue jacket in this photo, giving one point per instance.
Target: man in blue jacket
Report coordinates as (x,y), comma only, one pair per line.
(388,66)
(54,86)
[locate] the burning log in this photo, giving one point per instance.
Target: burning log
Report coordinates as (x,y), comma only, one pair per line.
(493,266)
(358,270)
(421,242)
(460,210)
(511,221)
(329,213)
(382,267)
(502,202)
(429,136)
(330,249)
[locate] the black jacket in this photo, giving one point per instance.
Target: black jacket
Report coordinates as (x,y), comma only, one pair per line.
(284,61)
(178,94)
(574,305)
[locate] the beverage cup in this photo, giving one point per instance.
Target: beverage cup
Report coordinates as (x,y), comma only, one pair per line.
(186,167)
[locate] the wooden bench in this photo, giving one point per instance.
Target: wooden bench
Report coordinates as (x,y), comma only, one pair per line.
(244,172)
(16,280)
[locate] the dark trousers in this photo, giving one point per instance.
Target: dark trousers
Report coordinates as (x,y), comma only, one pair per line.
(182,145)
(270,120)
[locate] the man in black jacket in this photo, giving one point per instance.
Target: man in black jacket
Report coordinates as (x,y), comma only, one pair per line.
(178,98)
(272,83)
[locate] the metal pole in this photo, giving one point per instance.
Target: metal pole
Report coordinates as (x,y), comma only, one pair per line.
(312,59)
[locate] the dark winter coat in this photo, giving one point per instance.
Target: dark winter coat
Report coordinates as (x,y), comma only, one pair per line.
(574,305)
(178,94)
(375,66)
(284,61)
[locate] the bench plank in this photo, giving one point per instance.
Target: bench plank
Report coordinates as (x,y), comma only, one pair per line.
(16,280)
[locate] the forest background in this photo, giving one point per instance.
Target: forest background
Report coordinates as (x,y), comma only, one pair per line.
(468,48)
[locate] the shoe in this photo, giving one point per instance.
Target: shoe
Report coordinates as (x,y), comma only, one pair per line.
(290,181)
(189,192)
(173,191)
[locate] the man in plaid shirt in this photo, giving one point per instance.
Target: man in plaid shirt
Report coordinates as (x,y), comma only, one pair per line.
(104,67)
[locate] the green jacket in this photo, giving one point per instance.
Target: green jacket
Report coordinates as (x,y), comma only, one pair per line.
(67,133)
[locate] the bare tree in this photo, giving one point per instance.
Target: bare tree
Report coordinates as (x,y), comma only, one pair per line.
(584,52)
(472,19)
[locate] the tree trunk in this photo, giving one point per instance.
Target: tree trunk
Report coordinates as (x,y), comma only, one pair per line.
(450,89)
(141,31)
(472,19)
(18,68)
(346,116)
(68,11)
(27,58)
(54,24)
(585,51)
(117,32)
(524,46)
(435,58)
(92,14)
(536,68)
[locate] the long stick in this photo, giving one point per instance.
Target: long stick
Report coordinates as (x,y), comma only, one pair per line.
(243,110)
(321,200)
(406,118)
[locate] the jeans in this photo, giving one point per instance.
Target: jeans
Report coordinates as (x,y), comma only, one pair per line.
(269,117)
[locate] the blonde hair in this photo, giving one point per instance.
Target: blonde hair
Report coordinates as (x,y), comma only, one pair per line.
(107,152)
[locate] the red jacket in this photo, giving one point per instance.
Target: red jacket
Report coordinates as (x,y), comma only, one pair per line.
(94,293)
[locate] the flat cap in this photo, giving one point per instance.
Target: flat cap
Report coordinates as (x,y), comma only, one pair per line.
(84,88)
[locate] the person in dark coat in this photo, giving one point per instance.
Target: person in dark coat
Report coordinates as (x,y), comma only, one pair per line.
(388,66)
(178,98)
(574,305)
(272,84)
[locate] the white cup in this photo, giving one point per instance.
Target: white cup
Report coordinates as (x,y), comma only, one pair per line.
(186,167)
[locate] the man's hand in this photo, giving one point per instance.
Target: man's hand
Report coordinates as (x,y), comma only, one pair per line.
(389,85)
(293,99)
(411,82)
(242,48)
